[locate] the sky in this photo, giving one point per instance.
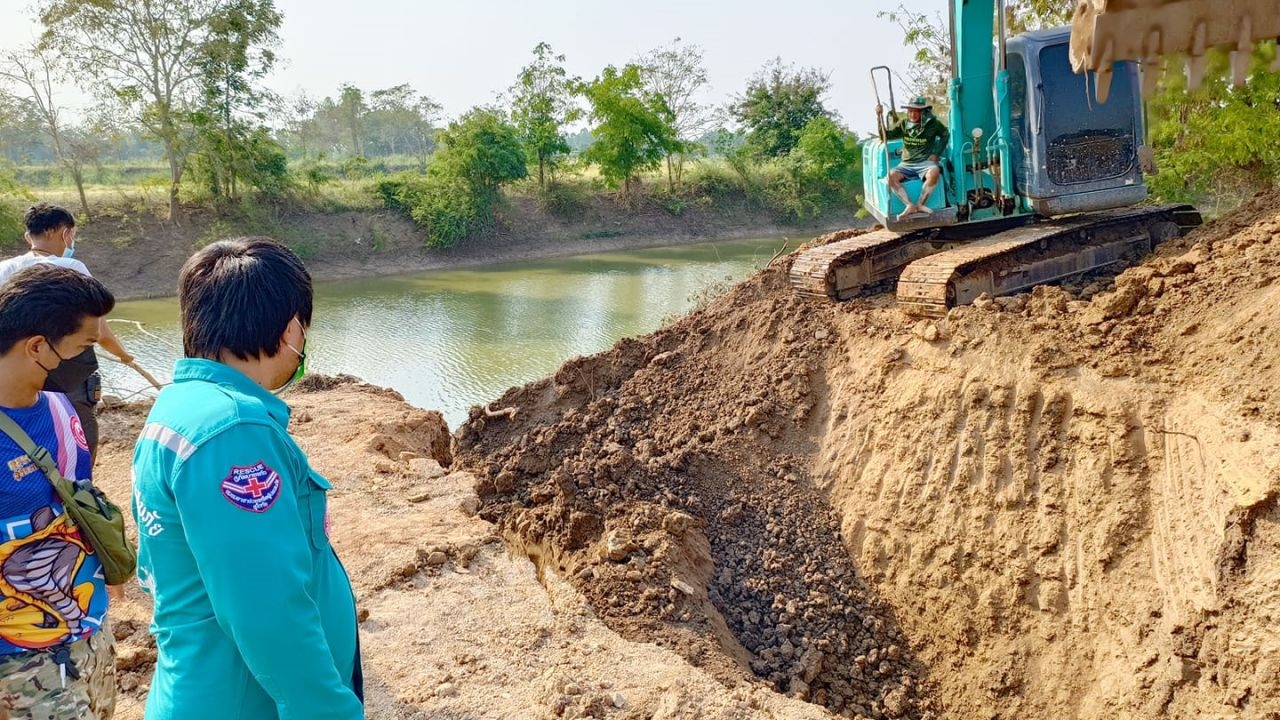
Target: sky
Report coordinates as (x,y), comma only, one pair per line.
(463,53)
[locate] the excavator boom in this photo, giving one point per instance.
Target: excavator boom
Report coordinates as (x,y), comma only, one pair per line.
(1104,32)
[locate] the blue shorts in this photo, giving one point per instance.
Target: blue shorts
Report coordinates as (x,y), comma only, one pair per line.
(915,170)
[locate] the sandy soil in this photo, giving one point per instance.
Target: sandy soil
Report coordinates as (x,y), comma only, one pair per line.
(455,626)
(1061,504)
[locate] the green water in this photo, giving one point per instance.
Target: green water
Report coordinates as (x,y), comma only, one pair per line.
(448,340)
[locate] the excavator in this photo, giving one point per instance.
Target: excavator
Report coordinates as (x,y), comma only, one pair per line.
(1043,175)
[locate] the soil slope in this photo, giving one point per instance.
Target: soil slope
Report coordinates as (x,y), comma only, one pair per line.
(1060,504)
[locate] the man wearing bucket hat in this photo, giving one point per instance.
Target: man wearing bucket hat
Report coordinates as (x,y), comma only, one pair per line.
(924,138)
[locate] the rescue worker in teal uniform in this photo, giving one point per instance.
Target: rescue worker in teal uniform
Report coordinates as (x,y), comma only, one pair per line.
(254,614)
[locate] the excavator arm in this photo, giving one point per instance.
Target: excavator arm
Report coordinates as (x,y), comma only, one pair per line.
(1104,32)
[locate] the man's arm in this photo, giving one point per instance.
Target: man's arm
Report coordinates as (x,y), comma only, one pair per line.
(940,138)
(895,127)
(111,343)
(236,496)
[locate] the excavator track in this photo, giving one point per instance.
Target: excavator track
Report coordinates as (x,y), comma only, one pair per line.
(846,268)
(1017,260)
(870,262)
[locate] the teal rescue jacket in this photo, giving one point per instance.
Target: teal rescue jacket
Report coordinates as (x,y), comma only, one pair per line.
(254,614)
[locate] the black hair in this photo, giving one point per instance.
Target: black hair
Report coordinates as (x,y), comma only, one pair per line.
(239,296)
(48,301)
(43,217)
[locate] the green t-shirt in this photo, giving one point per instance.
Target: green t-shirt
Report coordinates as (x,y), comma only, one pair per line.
(919,140)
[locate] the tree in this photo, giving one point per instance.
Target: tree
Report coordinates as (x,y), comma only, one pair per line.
(779,101)
(399,121)
(21,135)
(930,71)
(146,55)
(677,73)
(299,131)
(542,104)
(484,149)
(34,71)
(1216,144)
(478,154)
(634,128)
(351,108)
(930,37)
(234,58)
(831,154)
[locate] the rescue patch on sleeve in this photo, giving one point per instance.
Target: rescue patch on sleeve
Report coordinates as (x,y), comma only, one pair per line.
(254,488)
(77,432)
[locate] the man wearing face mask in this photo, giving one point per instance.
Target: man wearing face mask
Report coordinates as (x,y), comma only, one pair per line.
(254,614)
(51,233)
(57,659)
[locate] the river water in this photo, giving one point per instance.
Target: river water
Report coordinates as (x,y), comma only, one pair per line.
(451,339)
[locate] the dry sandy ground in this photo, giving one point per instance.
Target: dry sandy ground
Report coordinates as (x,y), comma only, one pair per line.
(1061,504)
(455,626)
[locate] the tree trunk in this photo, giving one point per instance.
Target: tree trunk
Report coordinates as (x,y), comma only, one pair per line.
(77,176)
(671,181)
(542,173)
(175,177)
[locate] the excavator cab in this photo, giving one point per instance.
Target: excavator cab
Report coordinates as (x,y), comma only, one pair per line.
(1071,153)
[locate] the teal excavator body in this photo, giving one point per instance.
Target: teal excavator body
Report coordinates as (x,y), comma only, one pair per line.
(1027,135)
(1041,180)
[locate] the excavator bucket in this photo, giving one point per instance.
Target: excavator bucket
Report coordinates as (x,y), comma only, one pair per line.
(1109,31)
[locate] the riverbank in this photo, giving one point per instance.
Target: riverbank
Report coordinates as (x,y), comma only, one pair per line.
(138,255)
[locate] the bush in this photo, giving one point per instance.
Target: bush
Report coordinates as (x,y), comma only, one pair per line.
(565,199)
(456,196)
(713,180)
(443,205)
(11,227)
(11,197)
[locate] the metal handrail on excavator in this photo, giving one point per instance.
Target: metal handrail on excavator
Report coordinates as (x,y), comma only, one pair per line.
(884,137)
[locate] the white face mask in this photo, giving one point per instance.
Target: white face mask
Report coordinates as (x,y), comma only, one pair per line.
(302,363)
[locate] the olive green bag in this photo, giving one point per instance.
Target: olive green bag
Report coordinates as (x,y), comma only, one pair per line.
(100,521)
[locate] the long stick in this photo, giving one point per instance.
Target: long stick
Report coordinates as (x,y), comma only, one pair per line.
(141,371)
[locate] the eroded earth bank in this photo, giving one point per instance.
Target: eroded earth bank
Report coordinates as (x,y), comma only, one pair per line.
(1053,505)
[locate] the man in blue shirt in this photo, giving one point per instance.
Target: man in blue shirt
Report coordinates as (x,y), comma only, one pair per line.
(56,660)
(254,614)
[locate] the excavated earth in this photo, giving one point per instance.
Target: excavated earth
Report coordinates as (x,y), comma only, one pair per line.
(1054,505)
(1060,504)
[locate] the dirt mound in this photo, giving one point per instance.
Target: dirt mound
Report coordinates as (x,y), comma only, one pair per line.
(669,477)
(1061,503)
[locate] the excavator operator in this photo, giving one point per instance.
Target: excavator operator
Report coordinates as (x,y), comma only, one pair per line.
(924,138)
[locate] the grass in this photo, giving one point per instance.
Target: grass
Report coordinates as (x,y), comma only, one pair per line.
(142,191)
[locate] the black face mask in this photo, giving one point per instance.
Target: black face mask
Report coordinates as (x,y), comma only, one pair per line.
(60,360)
